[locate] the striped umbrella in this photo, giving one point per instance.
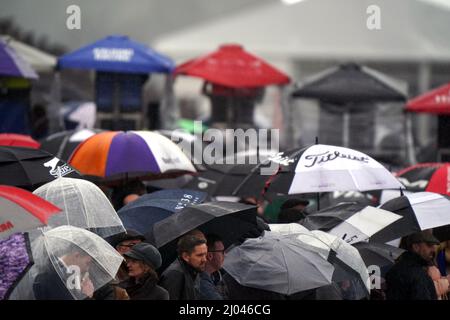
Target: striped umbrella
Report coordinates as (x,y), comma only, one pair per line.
(116,155)
(13,65)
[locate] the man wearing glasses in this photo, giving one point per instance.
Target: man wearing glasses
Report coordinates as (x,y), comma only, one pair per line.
(123,244)
(211,284)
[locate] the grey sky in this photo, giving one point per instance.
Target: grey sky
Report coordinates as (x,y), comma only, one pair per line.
(142,20)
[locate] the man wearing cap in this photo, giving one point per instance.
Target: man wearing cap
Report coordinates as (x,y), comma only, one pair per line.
(142,261)
(123,244)
(408,278)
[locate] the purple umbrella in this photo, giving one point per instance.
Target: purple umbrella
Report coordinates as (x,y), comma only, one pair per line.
(13,65)
(15,260)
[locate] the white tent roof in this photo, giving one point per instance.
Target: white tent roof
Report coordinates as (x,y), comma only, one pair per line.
(39,60)
(411,30)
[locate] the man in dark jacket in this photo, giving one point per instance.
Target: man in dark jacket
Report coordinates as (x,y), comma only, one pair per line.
(408,278)
(181,278)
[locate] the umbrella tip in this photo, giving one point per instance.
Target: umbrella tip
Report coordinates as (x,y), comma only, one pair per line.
(401,192)
(317,140)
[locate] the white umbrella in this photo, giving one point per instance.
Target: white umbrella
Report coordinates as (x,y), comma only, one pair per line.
(325,168)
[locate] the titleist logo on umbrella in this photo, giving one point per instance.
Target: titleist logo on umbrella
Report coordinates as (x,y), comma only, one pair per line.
(57,171)
(330,156)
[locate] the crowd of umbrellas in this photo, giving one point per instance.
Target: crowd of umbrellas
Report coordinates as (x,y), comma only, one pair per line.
(55,193)
(49,205)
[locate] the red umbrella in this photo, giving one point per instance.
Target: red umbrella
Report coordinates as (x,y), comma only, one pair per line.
(433,177)
(18,140)
(436,101)
(20,211)
(233,67)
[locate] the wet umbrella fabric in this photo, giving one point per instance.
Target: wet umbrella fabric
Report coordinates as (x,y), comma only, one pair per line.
(21,211)
(431,177)
(352,83)
(118,155)
(419,211)
(62,144)
(232,66)
(12,64)
(18,140)
(70,263)
(83,204)
(229,220)
(435,101)
(323,168)
(15,260)
(378,254)
(30,168)
(117,53)
(294,263)
(350,222)
(144,212)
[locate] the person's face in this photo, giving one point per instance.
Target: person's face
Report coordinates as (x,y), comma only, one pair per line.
(126,246)
(84,262)
(130,198)
(426,250)
(216,256)
(136,268)
(197,259)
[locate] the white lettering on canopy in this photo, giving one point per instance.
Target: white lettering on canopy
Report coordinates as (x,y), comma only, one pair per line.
(113,54)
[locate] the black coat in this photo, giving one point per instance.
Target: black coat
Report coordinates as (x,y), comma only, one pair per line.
(181,280)
(144,289)
(408,279)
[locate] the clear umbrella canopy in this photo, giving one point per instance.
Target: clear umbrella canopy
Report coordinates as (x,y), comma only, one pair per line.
(83,205)
(70,264)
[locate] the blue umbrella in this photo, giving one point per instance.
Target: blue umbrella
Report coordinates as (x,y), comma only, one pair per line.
(117,53)
(13,65)
(143,213)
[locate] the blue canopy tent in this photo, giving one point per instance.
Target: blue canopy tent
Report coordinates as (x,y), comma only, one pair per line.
(122,67)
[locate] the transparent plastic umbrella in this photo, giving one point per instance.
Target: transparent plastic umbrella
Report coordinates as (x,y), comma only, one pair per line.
(83,205)
(70,264)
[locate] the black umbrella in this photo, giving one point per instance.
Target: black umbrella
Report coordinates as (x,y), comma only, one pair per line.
(29,168)
(420,211)
(378,254)
(226,180)
(351,83)
(229,220)
(62,144)
(351,222)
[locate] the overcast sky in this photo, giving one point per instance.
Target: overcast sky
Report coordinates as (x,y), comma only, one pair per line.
(142,20)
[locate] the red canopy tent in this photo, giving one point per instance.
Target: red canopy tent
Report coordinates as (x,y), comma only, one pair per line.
(233,67)
(234,80)
(436,101)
